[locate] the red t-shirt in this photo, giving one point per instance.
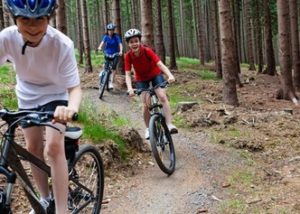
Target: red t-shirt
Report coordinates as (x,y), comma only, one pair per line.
(145,65)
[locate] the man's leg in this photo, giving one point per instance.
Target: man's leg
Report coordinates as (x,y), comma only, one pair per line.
(55,152)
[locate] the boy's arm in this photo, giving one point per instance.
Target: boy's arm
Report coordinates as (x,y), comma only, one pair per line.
(100,46)
(166,71)
(75,95)
(129,83)
(66,113)
(121,49)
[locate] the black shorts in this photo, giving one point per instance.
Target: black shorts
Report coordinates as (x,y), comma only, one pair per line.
(51,106)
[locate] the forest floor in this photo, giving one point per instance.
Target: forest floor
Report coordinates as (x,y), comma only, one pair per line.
(229,159)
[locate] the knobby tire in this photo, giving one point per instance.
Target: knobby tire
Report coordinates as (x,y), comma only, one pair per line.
(86,193)
(103,83)
(162,144)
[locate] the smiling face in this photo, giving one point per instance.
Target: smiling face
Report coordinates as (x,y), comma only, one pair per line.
(134,44)
(32,30)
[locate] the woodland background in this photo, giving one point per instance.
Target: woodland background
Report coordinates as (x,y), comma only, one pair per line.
(227,32)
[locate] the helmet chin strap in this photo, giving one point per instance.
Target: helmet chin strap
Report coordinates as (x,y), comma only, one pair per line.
(24,46)
(27,42)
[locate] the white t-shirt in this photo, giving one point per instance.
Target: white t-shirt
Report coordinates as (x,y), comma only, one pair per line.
(43,73)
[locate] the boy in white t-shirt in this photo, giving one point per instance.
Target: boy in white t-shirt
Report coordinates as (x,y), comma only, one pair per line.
(47,79)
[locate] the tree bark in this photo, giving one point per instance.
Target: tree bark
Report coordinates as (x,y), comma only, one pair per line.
(158,29)
(61,17)
(147,23)
(79,32)
(247,6)
(1,16)
(200,33)
(293,6)
(287,90)
(86,42)
(271,67)
(215,23)
(172,36)
(259,36)
(228,54)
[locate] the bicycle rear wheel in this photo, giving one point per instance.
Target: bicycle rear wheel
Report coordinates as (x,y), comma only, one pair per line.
(86,183)
(103,83)
(162,145)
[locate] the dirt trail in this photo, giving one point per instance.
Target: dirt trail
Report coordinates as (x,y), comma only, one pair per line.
(195,186)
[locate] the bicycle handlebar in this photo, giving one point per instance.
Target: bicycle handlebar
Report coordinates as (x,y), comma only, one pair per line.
(111,56)
(34,117)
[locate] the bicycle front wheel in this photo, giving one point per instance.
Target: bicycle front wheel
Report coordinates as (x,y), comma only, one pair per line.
(103,83)
(86,183)
(162,145)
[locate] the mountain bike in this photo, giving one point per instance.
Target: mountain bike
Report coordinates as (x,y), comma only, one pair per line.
(161,141)
(86,174)
(104,75)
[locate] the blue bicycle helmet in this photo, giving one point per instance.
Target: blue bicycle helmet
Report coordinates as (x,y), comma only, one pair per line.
(31,8)
(110,26)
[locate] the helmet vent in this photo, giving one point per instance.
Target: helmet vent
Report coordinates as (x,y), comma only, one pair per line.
(32,5)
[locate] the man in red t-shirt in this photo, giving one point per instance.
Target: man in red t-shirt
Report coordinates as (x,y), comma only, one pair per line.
(147,69)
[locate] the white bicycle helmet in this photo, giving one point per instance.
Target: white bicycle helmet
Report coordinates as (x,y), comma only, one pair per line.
(132,33)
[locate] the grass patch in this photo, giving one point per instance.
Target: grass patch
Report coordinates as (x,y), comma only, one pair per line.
(241,178)
(8,99)
(95,129)
(233,206)
(7,92)
(7,75)
(208,75)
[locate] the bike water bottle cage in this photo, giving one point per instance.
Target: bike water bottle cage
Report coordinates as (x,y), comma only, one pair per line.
(31,8)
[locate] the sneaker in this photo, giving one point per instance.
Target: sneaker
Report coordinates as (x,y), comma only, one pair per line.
(110,85)
(172,129)
(147,134)
(44,204)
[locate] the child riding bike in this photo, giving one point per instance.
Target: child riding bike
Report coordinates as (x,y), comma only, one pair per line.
(147,69)
(112,44)
(47,80)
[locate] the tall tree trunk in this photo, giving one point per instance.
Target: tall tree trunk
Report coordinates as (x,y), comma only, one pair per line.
(147,23)
(61,17)
(250,54)
(1,16)
(106,14)
(271,66)
(79,32)
(116,16)
(200,32)
(228,54)
(158,29)
(135,14)
(6,19)
(293,6)
(287,90)
(172,36)
(86,42)
(235,40)
(215,23)
(259,36)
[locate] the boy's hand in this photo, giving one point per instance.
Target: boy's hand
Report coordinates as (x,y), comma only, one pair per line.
(63,114)
(130,93)
(171,79)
